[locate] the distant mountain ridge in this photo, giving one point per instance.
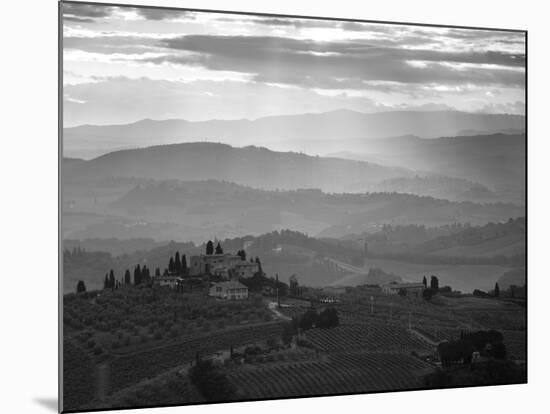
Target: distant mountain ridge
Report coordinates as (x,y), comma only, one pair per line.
(289,132)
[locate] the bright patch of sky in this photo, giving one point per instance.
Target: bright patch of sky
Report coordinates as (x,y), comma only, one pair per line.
(197,66)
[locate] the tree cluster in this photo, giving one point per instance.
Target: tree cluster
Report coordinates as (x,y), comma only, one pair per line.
(328,318)
(487,343)
(178,265)
(141,275)
(211,250)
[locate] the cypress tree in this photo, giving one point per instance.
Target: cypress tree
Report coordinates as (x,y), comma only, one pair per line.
(209,247)
(183,265)
(171,265)
(112,279)
(177,264)
(219,249)
(127,277)
(434,283)
(497,290)
(137,275)
(80,287)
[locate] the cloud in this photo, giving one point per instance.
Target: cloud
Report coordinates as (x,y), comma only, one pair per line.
(341,64)
(110,45)
(202,65)
(86,12)
(163,14)
(75,19)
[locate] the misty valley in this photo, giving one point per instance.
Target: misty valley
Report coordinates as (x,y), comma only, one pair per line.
(261,207)
(408,261)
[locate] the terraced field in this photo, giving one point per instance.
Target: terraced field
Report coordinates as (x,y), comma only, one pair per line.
(372,337)
(339,373)
(129,369)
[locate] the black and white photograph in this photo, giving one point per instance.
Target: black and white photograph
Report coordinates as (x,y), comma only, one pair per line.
(265,206)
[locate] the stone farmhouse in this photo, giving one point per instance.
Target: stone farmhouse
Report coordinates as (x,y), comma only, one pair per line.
(225,265)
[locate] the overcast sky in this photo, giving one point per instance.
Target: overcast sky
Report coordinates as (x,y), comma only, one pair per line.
(124,64)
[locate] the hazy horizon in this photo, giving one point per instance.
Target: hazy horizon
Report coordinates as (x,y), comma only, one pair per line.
(287,115)
(125,64)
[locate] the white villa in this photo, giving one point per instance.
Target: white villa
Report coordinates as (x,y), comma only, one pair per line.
(412,289)
(172,281)
(232,290)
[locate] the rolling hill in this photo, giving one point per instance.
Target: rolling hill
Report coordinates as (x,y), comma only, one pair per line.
(329,131)
(496,161)
(196,210)
(252,166)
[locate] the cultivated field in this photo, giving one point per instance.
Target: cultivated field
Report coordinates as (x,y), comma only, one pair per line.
(131,345)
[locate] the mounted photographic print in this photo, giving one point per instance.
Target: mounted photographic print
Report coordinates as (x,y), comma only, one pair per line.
(264,206)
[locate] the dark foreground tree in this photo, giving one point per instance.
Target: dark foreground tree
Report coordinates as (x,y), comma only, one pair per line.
(497,290)
(427,293)
(211,381)
(289,330)
(80,287)
(328,319)
(219,249)
(425,282)
(309,319)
